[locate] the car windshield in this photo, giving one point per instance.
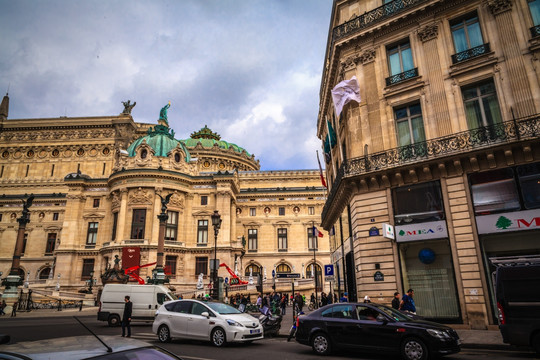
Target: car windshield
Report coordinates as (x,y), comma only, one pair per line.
(221,308)
(393,313)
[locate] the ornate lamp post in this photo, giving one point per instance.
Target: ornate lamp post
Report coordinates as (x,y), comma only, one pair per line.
(90,282)
(315,240)
(216,222)
(158,274)
(14,278)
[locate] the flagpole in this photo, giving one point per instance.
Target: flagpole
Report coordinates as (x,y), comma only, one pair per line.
(339,140)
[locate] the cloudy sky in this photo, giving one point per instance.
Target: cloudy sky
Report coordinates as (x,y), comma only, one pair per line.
(249,69)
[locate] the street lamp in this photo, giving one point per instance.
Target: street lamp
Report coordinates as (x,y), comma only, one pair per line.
(216,222)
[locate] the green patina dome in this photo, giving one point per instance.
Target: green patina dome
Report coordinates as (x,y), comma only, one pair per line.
(160,140)
(207,138)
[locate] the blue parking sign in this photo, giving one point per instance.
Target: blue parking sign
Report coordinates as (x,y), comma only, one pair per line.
(328,270)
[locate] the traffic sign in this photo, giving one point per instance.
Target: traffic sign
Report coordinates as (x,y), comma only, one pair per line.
(329,270)
(329,278)
(288,275)
(273,273)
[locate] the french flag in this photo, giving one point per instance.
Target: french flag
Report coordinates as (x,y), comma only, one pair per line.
(317,233)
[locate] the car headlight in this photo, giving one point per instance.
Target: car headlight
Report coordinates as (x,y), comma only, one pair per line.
(234,323)
(443,335)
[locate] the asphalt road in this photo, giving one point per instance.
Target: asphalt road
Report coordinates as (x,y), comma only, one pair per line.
(28,329)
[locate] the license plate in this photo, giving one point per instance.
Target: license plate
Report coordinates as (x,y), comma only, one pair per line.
(256,331)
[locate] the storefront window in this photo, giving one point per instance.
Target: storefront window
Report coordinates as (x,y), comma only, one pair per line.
(529,180)
(427,269)
(494,191)
(418,203)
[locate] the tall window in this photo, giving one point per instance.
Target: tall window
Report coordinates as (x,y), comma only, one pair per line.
(170,265)
(410,125)
(96,203)
(204,200)
(534,7)
(311,210)
(171,230)
(51,241)
(282,239)
(114,226)
(252,212)
(466,32)
(202,232)
(418,203)
(55,216)
(281,211)
(312,239)
(201,265)
(252,239)
(481,105)
(400,58)
(92,233)
(87,268)
(138,224)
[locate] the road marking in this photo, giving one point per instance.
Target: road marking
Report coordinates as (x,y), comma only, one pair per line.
(194,358)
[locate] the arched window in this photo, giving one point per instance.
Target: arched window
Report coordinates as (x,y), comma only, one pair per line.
(254,269)
(283,268)
(310,272)
(44,274)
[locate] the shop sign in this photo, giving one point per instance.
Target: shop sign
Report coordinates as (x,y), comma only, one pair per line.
(422,231)
(512,221)
(374,231)
(388,231)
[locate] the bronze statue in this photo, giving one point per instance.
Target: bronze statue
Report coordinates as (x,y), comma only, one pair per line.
(164,202)
(128,107)
(163,113)
(26,206)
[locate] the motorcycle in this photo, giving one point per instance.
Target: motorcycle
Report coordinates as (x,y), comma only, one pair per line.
(270,323)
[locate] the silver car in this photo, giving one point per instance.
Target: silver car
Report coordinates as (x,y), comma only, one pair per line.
(200,320)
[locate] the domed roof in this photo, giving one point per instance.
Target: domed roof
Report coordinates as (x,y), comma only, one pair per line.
(160,140)
(207,138)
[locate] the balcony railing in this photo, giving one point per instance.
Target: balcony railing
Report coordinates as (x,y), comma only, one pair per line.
(535,31)
(371,17)
(394,79)
(505,132)
(470,53)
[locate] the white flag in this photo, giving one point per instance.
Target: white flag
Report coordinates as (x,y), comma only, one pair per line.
(344,92)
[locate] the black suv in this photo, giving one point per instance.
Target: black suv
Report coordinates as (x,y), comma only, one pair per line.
(518,301)
(374,327)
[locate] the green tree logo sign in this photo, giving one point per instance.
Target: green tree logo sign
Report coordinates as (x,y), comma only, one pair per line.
(503,223)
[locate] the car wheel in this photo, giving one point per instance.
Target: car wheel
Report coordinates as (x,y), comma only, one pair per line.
(164,334)
(114,320)
(321,344)
(535,342)
(414,349)
(218,337)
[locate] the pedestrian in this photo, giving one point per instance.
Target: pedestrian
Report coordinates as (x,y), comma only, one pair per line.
(2,307)
(367,299)
(395,301)
(299,301)
(126,319)
(312,299)
(14,309)
(344,297)
(407,302)
(330,298)
(283,304)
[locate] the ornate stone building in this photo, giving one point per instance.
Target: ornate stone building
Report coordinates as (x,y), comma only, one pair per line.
(443,147)
(97,182)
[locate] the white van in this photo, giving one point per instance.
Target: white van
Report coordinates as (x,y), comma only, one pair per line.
(146,300)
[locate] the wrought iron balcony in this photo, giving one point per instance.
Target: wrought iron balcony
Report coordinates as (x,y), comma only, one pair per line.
(505,132)
(535,31)
(471,53)
(394,79)
(371,17)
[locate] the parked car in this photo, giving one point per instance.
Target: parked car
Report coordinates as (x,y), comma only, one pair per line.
(374,327)
(145,298)
(84,347)
(518,302)
(200,320)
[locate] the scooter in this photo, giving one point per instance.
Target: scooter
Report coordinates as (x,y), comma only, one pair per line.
(270,323)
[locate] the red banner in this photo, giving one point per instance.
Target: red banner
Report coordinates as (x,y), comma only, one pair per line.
(131,256)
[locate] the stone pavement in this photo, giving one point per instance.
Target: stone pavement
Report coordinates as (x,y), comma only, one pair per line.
(481,339)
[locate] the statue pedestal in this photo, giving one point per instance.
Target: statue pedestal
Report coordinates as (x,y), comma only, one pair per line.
(11,293)
(89,300)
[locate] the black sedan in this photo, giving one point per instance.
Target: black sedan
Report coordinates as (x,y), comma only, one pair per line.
(374,327)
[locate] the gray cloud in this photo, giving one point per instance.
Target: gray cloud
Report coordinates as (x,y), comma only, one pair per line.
(250,70)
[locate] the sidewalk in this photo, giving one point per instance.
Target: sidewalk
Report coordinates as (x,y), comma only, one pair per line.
(478,339)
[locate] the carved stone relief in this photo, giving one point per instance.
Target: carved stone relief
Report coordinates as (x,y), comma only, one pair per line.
(140,196)
(428,32)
